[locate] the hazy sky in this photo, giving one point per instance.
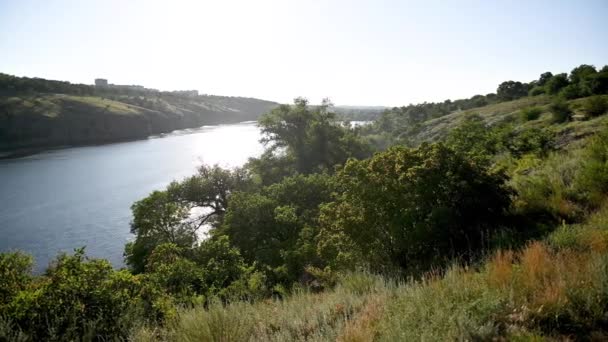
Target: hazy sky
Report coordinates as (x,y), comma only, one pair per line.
(354,52)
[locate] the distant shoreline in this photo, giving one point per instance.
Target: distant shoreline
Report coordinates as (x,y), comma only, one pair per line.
(30,151)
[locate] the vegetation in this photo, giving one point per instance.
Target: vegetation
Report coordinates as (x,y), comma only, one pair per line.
(561,111)
(531,113)
(432,223)
(595,106)
(38,113)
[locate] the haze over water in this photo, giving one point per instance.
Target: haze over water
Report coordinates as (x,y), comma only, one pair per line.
(65,199)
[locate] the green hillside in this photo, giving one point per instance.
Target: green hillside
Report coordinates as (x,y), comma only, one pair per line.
(37,113)
(473,220)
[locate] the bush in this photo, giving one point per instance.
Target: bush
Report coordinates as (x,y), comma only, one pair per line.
(561,111)
(406,225)
(530,113)
(571,91)
(537,90)
(77,299)
(556,83)
(548,189)
(592,179)
(595,106)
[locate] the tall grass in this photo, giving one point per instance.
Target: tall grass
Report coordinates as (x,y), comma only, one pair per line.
(346,313)
(550,289)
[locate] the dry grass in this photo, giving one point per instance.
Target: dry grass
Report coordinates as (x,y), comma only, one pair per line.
(103,104)
(363,327)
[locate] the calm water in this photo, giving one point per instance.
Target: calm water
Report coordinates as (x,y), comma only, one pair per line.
(65,199)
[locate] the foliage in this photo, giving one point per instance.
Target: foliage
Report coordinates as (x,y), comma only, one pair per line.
(592,179)
(530,113)
(556,83)
(76,298)
(276,226)
(407,226)
(166,216)
(303,316)
(15,268)
(311,136)
(561,111)
(474,139)
(511,90)
(307,216)
(156,220)
(595,106)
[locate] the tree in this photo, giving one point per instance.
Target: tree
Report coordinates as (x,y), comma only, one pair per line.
(511,90)
(157,219)
(581,73)
(312,136)
(166,216)
(276,226)
(556,83)
(414,208)
(598,83)
(544,78)
(474,139)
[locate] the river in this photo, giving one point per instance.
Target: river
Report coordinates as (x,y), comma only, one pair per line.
(64,199)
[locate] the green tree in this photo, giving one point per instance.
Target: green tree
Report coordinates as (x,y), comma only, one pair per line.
(474,139)
(311,135)
(544,78)
(415,208)
(275,227)
(511,90)
(167,216)
(157,219)
(556,83)
(581,73)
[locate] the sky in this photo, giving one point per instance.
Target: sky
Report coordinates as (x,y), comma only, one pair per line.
(356,52)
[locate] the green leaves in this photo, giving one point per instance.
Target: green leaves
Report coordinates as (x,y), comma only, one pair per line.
(411,208)
(311,136)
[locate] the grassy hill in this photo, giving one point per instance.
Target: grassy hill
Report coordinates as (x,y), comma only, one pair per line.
(508,112)
(553,287)
(41,118)
(491,223)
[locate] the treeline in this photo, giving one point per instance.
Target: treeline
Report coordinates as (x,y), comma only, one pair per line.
(584,80)
(13,85)
(320,201)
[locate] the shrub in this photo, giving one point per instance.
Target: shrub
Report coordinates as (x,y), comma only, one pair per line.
(530,113)
(595,106)
(77,299)
(592,179)
(531,140)
(537,90)
(15,275)
(406,225)
(556,83)
(561,111)
(547,189)
(572,91)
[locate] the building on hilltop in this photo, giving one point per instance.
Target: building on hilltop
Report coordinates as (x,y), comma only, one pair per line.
(190,93)
(101,82)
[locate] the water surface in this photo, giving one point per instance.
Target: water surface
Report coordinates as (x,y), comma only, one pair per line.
(65,199)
